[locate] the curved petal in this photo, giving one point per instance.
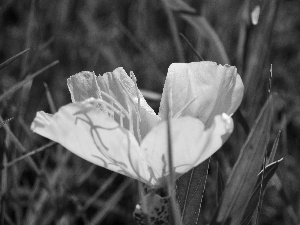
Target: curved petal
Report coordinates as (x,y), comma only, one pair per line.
(121,86)
(216,89)
(83,85)
(86,131)
(191,143)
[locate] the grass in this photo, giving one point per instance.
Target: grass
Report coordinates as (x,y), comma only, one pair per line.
(43,43)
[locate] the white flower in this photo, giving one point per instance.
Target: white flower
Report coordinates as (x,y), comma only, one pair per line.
(110,124)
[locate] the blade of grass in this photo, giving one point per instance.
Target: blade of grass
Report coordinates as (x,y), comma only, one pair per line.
(20,147)
(52,106)
(145,51)
(28,39)
(3,188)
(27,79)
(24,128)
(260,200)
(274,148)
(8,220)
(262,180)
(100,191)
(99,203)
(174,31)
(241,119)
(257,55)
(10,60)
(191,47)
(33,216)
(190,188)
(242,181)
(90,201)
(221,183)
(200,24)
(111,203)
(83,177)
(243,37)
(174,213)
(33,152)
(36,57)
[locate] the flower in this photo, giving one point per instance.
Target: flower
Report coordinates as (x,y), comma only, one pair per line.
(110,124)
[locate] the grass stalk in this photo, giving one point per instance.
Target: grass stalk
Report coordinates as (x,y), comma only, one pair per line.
(174,31)
(26,80)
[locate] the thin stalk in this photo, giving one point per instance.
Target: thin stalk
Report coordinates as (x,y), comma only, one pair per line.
(191,47)
(26,80)
(174,32)
(111,203)
(10,60)
(13,162)
(50,99)
(174,214)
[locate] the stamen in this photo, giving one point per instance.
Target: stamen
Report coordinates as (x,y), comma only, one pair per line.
(116,103)
(138,129)
(133,77)
(110,108)
(121,119)
(136,110)
(128,94)
(130,117)
(170,103)
(136,90)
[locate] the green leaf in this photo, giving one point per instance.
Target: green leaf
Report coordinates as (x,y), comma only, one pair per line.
(243,178)
(268,173)
(190,188)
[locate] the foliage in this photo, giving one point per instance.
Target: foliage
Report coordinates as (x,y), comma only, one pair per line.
(41,183)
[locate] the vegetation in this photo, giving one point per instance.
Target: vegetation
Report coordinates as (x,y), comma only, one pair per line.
(42,43)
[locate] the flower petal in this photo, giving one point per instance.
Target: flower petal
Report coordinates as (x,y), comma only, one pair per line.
(91,134)
(83,85)
(120,86)
(217,89)
(191,143)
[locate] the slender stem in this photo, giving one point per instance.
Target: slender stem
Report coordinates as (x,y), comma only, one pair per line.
(174,32)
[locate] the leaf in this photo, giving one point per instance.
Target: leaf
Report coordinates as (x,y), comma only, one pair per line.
(268,173)
(190,188)
(221,183)
(242,181)
(256,56)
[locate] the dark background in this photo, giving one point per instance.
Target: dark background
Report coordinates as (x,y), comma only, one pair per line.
(141,36)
